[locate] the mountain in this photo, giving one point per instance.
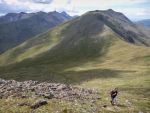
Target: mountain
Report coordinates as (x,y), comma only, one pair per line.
(15,28)
(12,17)
(100,49)
(94,35)
(145,22)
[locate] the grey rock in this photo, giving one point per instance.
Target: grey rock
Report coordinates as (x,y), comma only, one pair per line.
(12,88)
(97,97)
(38,104)
(49,96)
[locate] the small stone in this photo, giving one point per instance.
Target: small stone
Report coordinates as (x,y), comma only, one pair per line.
(38,104)
(140,112)
(48,96)
(23,96)
(93,101)
(1,96)
(104,106)
(97,97)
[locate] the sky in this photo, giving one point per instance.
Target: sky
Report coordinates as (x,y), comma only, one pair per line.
(133,9)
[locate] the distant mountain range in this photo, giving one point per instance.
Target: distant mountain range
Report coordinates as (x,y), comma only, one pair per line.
(12,17)
(15,28)
(107,37)
(145,22)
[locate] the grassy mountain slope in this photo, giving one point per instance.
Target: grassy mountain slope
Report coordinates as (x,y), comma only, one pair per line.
(85,36)
(90,52)
(124,66)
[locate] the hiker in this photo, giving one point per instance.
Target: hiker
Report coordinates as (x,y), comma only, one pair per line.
(113,94)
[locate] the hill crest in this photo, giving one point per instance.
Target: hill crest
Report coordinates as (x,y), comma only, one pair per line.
(80,38)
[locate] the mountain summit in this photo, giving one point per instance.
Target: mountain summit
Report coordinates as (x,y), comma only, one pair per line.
(121,25)
(71,67)
(107,36)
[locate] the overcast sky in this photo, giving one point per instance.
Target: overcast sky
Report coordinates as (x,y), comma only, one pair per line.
(134,9)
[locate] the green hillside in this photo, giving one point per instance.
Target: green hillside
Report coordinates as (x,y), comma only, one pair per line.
(87,52)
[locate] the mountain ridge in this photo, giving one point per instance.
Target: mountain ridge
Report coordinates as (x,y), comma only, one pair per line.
(127,29)
(96,50)
(15,32)
(77,36)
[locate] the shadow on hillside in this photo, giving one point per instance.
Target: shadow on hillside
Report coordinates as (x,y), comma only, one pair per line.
(50,66)
(77,77)
(75,50)
(70,77)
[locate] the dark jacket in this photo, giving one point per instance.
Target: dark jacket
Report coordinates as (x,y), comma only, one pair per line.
(113,93)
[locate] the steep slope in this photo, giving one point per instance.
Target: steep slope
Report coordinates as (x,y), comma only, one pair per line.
(104,38)
(145,22)
(18,27)
(74,35)
(124,27)
(92,51)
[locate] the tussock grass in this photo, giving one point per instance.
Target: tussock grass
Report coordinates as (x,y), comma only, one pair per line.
(118,68)
(102,61)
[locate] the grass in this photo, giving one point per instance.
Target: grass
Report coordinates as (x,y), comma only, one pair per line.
(133,86)
(133,95)
(117,68)
(99,60)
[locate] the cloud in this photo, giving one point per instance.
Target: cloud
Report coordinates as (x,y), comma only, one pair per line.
(132,8)
(7,8)
(38,1)
(43,1)
(137,13)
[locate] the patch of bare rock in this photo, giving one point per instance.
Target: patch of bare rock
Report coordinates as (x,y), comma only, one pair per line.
(12,88)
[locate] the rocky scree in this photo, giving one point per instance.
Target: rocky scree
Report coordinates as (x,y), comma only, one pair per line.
(26,89)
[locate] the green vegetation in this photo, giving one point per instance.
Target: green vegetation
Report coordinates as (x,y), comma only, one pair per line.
(100,59)
(124,66)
